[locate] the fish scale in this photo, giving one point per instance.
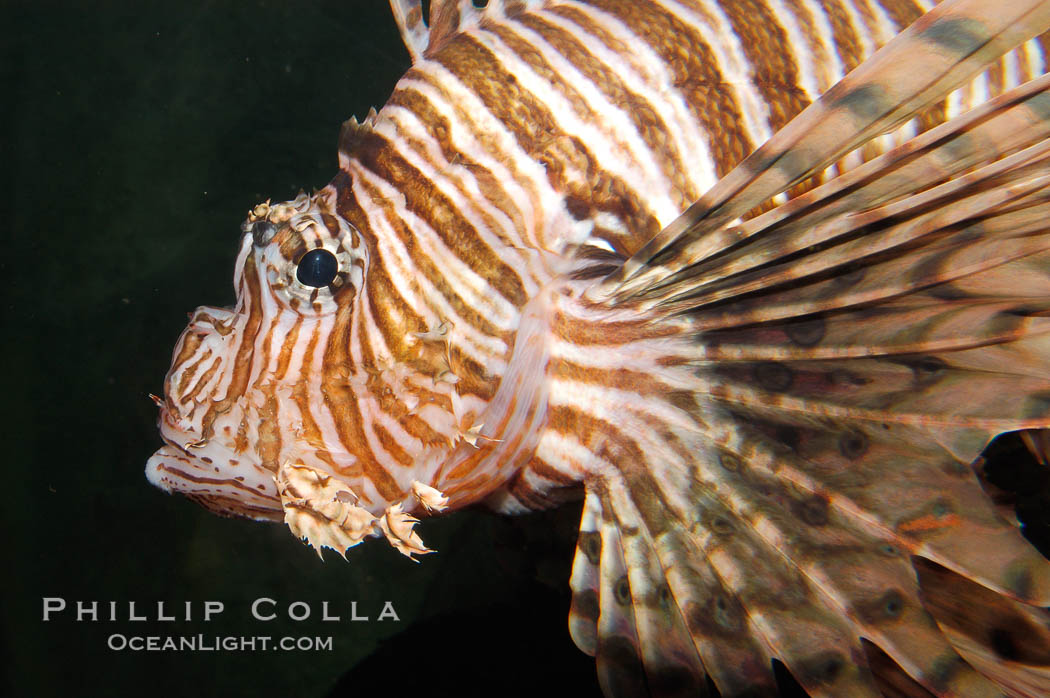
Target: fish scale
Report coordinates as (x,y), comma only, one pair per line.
(762,315)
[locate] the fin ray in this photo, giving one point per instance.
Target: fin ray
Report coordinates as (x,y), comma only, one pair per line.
(424,36)
(855,349)
(993,130)
(619,665)
(880,93)
(585,579)
(409,17)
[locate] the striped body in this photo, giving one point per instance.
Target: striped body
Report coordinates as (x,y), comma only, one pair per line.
(460,352)
(518,155)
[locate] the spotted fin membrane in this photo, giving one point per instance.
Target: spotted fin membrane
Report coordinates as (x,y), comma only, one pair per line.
(858,346)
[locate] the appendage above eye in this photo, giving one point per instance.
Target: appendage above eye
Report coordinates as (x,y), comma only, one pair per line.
(263,232)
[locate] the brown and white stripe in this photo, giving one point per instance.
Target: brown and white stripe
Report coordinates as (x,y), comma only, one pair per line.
(529,142)
(771,408)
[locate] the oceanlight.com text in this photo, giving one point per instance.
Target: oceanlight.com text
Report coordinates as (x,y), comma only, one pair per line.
(119,642)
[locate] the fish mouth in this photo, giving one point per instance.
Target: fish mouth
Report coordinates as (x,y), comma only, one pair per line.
(192,462)
(224,485)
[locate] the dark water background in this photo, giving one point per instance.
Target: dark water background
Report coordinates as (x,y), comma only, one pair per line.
(135,139)
(136,136)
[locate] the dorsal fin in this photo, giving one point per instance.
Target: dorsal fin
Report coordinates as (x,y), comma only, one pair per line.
(447,18)
(351,132)
(409,17)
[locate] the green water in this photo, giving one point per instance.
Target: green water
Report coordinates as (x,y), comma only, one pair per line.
(135,140)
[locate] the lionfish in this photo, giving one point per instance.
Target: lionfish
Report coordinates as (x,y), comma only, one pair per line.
(762,315)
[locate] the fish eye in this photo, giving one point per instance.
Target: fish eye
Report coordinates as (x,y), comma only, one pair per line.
(317,268)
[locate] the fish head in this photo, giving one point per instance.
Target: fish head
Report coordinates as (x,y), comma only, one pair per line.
(231,412)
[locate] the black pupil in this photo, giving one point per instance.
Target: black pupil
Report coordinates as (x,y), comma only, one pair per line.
(317,268)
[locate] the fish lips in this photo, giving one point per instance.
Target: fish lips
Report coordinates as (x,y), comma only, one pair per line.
(241,489)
